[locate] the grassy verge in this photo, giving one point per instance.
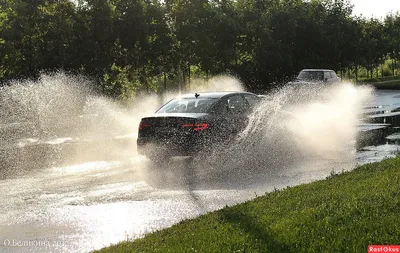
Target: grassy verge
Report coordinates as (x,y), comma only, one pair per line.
(390,82)
(380,79)
(388,86)
(344,213)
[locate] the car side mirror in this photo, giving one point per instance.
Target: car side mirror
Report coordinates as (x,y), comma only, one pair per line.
(326,80)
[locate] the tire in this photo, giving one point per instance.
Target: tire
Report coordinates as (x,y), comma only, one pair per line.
(158,158)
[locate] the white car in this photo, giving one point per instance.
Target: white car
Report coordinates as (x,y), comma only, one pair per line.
(317,76)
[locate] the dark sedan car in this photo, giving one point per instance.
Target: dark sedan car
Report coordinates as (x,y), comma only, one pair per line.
(194,122)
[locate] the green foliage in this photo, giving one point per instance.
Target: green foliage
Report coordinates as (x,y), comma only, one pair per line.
(344,213)
(119,84)
(261,42)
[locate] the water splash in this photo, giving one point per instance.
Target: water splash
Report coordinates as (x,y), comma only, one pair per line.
(309,120)
(56,119)
(61,119)
(294,125)
(327,126)
(216,83)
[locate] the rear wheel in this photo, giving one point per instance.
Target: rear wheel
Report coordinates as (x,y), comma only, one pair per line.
(158,158)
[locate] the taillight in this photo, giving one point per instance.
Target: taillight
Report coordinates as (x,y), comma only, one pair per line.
(143,125)
(197,127)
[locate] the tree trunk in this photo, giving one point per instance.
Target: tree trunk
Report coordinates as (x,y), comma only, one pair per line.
(165,82)
(189,75)
(356,67)
(372,72)
(184,80)
(341,72)
(392,67)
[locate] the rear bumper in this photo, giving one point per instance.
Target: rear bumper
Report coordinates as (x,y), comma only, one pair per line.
(150,146)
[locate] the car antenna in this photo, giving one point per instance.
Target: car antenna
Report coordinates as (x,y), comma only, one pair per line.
(196,95)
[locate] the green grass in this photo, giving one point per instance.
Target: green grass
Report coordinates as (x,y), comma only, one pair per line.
(389,86)
(379,79)
(344,213)
(390,82)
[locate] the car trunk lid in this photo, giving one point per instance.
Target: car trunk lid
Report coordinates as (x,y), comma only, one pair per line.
(163,126)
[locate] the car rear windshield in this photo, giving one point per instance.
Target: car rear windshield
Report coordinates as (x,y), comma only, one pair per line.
(188,105)
(311,75)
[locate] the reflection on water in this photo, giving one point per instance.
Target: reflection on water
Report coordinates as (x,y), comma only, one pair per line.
(380,139)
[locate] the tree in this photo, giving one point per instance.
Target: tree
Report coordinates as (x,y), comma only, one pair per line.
(372,44)
(392,37)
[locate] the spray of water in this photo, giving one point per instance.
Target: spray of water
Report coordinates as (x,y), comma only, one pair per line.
(327,126)
(294,125)
(61,119)
(217,83)
(314,121)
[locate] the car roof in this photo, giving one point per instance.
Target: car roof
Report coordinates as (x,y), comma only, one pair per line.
(217,94)
(317,70)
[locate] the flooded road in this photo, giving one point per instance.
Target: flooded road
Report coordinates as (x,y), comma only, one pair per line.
(381,128)
(75,194)
(86,206)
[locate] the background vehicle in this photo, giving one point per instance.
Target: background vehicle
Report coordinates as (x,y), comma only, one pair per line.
(317,76)
(194,122)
